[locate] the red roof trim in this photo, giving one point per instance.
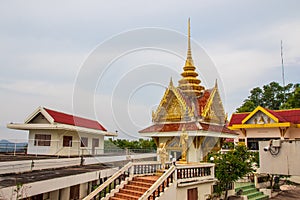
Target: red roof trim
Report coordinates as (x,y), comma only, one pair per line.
(292,116)
(190,126)
(64,118)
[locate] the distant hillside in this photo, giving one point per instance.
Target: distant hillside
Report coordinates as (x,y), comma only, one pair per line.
(8,146)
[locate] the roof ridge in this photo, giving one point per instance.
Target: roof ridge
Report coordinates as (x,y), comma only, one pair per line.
(65,113)
(66,118)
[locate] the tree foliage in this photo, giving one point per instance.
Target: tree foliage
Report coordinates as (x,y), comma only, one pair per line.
(272,96)
(231,166)
(126,144)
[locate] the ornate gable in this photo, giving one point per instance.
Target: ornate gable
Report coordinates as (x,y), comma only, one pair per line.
(260,116)
(172,108)
(214,110)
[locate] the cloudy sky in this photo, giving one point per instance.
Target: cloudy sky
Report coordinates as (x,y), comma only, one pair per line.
(111,60)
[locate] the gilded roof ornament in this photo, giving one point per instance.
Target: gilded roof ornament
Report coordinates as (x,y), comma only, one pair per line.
(190,84)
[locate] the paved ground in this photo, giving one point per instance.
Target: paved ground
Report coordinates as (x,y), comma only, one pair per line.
(7,180)
(288,195)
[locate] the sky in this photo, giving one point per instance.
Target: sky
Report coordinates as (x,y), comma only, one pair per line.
(112,60)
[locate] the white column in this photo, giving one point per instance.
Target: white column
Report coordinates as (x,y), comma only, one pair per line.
(83,190)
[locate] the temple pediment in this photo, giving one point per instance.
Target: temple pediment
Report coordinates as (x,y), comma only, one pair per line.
(172,107)
(213,110)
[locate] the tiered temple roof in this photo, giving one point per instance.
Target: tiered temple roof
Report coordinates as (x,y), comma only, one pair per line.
(189,105)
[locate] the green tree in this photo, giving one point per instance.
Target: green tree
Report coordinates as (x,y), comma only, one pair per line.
(231,166)
(272,96)
(126,144)
(293,101)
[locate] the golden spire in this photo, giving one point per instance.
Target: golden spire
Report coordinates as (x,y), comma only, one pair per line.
(189,60)
(190,84)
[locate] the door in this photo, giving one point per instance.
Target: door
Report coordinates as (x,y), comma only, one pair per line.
(95,143)
(192,194)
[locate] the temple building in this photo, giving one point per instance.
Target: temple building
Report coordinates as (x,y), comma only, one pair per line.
(189,113)
(188,123)
(263,124)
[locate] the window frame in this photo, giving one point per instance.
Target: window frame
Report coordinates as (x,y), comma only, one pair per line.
(66,141)
(84,142)
(42,140)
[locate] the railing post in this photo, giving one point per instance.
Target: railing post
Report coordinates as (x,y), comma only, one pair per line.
(15,149)
(131,171)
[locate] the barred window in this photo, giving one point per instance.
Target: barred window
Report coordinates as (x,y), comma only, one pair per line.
(84,142)
(42,140)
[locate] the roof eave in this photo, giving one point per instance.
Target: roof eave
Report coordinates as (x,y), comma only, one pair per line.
(59,127)
(190,133)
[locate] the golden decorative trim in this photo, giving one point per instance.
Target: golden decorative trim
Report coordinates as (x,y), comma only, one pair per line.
(259,108)
(274,125)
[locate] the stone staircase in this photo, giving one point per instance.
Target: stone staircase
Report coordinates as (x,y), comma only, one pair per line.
(135,188)
(249,190)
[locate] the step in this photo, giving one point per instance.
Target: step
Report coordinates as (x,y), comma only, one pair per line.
(126,196)
(245,187)
(115,198)
(254,195)
(131,192)
(146,179)
(136,188)
(142,184)
(260,197)
(249,191)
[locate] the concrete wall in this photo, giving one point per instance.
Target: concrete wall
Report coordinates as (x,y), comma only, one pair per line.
(285,162)
(180,193)
(204,189)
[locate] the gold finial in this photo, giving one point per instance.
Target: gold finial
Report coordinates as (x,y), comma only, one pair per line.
(171,82)
(189,60)
(216,83)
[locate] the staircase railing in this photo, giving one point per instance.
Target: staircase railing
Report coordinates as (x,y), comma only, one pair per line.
(203,171)
(163,182)
(182,174)
(110,183)
(147,167)
(128,170)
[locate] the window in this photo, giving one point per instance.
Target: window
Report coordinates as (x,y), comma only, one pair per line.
(42,140)
(84,142)
(74,192)
(67,141)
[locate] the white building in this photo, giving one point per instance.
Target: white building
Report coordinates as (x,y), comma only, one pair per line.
(56,133)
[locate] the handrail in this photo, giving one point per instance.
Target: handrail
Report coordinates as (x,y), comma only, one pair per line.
(158,183)
(108,181)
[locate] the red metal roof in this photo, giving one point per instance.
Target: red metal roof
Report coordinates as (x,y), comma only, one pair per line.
(64,118)
(237,118)
(189,126)
(292,116)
